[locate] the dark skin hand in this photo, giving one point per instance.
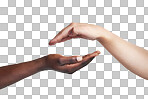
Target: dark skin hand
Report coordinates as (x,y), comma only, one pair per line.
(13,73)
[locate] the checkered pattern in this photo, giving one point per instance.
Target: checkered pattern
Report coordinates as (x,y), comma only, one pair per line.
(26,26)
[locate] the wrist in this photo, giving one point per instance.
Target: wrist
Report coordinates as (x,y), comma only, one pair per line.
(106,37)
(41,63)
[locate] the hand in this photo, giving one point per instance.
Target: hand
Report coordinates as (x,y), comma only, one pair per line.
(68,64)
(79,30)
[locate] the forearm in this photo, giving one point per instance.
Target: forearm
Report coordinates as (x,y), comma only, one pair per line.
(131,56)
(13,73)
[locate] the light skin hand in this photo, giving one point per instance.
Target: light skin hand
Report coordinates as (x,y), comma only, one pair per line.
(79,30)
(131,56)
(13,73)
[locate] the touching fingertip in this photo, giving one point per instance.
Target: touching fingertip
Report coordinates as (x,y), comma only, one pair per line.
(79,58)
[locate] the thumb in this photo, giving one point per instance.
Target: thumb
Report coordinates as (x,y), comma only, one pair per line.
(70,60)
(72,33)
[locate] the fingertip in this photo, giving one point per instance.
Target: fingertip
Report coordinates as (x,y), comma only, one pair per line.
(52,42)
(97,53)
(94,54)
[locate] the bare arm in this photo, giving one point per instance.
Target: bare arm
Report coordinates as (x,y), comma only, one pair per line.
(13,73)
(131,56)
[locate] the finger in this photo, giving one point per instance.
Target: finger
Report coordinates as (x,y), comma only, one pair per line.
(70,60)
(86,60)
(82,64)
(65,39)
(62,34)
(69,68)
(68,38)
(91,55)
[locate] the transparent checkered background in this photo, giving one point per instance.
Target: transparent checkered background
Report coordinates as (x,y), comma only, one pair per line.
(26,27)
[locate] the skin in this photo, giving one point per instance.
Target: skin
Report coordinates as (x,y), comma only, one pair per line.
(131,56)
(13,73)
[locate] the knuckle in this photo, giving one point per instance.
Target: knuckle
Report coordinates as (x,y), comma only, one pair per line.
(74,30)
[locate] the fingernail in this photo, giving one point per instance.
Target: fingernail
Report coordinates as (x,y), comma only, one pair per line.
(79,58)
(50,43)
(98,52)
